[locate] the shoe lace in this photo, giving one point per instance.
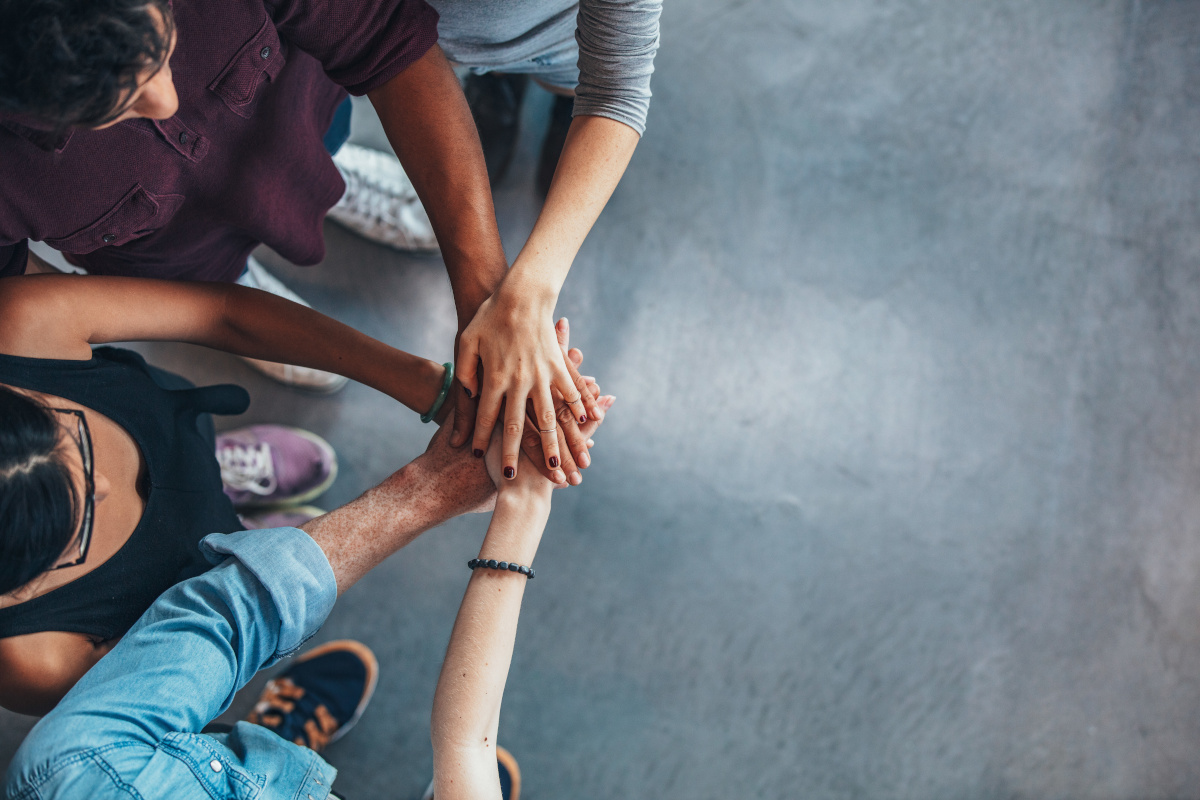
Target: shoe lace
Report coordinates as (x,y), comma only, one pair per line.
(248,468)
(278,700)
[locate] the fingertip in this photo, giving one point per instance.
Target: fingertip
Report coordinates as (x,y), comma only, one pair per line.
(576,479)
(591,443)
(510,472)
(558,476)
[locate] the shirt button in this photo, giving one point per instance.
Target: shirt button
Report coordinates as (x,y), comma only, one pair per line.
(108,237)
(216,765)
(265,53)
(183,137)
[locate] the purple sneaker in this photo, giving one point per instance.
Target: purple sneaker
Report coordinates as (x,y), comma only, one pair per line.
(290,517)
(273,465)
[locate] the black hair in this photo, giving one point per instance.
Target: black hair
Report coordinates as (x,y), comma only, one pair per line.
(38,503)
(67,63)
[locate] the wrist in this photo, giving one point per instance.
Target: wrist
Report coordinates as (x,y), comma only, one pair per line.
(523,504)
(528,293)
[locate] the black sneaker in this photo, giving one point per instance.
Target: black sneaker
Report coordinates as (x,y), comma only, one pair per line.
(552,145)
(510,777)
(321,696)
(495,102)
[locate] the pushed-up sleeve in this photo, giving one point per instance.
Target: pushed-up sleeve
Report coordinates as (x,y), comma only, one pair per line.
(177,668)
(361,44)
(617,43)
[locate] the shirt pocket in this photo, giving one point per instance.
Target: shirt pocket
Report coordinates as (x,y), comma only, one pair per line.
(138,214)
(259,60)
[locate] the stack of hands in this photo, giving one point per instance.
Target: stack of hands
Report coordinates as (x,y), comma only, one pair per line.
(544,408)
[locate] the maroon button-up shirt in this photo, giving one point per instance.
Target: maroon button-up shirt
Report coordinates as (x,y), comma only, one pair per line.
(241,163)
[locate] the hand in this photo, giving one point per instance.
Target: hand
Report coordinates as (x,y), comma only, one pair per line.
(521,360)
(572,442)
(458,474)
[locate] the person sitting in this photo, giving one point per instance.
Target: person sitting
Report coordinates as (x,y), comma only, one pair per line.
(132,726)
(187,133)
(109,476)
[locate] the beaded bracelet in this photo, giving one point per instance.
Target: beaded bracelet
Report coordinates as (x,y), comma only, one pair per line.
(441,398)
(491,563)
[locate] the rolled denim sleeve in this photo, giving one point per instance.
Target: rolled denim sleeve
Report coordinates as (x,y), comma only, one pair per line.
(132,716)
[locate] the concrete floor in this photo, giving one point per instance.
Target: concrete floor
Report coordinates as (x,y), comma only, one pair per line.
(901,301)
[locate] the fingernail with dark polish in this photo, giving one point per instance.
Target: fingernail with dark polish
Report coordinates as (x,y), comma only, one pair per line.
(477,453)
(553,462)
(582,418)
(468,391)
(510,473)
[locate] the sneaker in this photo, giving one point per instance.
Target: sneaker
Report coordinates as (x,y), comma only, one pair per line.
(380,202)
(273,465)
(320,696)
(281,517)
(510,777)
(495,102)
(314,380)
(552,145)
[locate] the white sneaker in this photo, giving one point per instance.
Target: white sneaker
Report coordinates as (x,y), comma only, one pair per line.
(380,202)
(314,380)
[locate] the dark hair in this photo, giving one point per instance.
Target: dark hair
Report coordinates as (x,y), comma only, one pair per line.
(71,62)
(38,503)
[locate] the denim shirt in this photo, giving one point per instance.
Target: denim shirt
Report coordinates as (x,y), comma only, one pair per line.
(130,728)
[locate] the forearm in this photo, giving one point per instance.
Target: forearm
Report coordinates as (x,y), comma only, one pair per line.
(261,325)
(442,483)
(466,706)
(62,316)
(594,158)
(429,125)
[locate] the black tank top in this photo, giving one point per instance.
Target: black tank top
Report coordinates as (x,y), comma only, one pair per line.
(168,418)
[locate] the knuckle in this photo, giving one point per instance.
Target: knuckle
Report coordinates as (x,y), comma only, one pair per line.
(513,428)
(548,417)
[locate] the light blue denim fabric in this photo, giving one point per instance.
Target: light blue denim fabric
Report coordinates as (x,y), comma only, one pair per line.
(131,727)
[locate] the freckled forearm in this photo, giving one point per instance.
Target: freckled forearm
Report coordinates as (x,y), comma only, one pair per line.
(440,484)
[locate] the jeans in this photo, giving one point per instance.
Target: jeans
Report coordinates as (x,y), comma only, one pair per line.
(132,725)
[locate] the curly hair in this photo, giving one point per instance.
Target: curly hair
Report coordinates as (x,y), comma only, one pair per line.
(67,63)
(38,502)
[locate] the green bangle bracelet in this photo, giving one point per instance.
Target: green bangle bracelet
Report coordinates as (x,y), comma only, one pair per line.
(441,398)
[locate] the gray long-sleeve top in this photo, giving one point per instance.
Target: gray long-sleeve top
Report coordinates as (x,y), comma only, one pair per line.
(617,41)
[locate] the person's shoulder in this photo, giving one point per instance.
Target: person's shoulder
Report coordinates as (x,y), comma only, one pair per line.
(37,669)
